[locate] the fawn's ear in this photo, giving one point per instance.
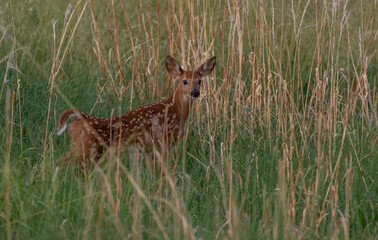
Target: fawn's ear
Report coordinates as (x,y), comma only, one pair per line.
(206,68)
(173,67)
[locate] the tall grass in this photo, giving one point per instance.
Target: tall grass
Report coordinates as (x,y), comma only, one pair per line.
(282,143)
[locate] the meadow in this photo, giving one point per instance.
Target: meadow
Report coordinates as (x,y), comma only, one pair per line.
(282,143)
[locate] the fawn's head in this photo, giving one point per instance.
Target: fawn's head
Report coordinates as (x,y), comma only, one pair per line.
(190,81)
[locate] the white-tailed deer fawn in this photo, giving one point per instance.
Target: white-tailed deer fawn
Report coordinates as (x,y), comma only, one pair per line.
(157,124)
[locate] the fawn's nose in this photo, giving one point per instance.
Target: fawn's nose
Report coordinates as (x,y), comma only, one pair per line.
(195,93)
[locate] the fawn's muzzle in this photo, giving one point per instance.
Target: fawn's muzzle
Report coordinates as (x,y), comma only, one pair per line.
(195,93)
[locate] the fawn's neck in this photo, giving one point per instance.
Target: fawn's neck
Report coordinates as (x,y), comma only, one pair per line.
(182,103)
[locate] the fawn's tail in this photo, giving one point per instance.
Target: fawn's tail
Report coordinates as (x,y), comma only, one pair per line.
(65,116)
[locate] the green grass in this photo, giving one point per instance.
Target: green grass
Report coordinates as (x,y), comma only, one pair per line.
(283,144)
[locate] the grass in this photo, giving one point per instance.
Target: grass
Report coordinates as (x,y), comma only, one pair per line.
(282,145)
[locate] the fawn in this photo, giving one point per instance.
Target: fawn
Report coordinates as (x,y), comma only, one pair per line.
(158,124)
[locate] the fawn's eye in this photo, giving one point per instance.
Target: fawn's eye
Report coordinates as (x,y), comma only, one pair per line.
(199,82)
(185,82)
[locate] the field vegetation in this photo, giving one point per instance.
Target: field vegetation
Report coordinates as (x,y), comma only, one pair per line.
(282,143)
